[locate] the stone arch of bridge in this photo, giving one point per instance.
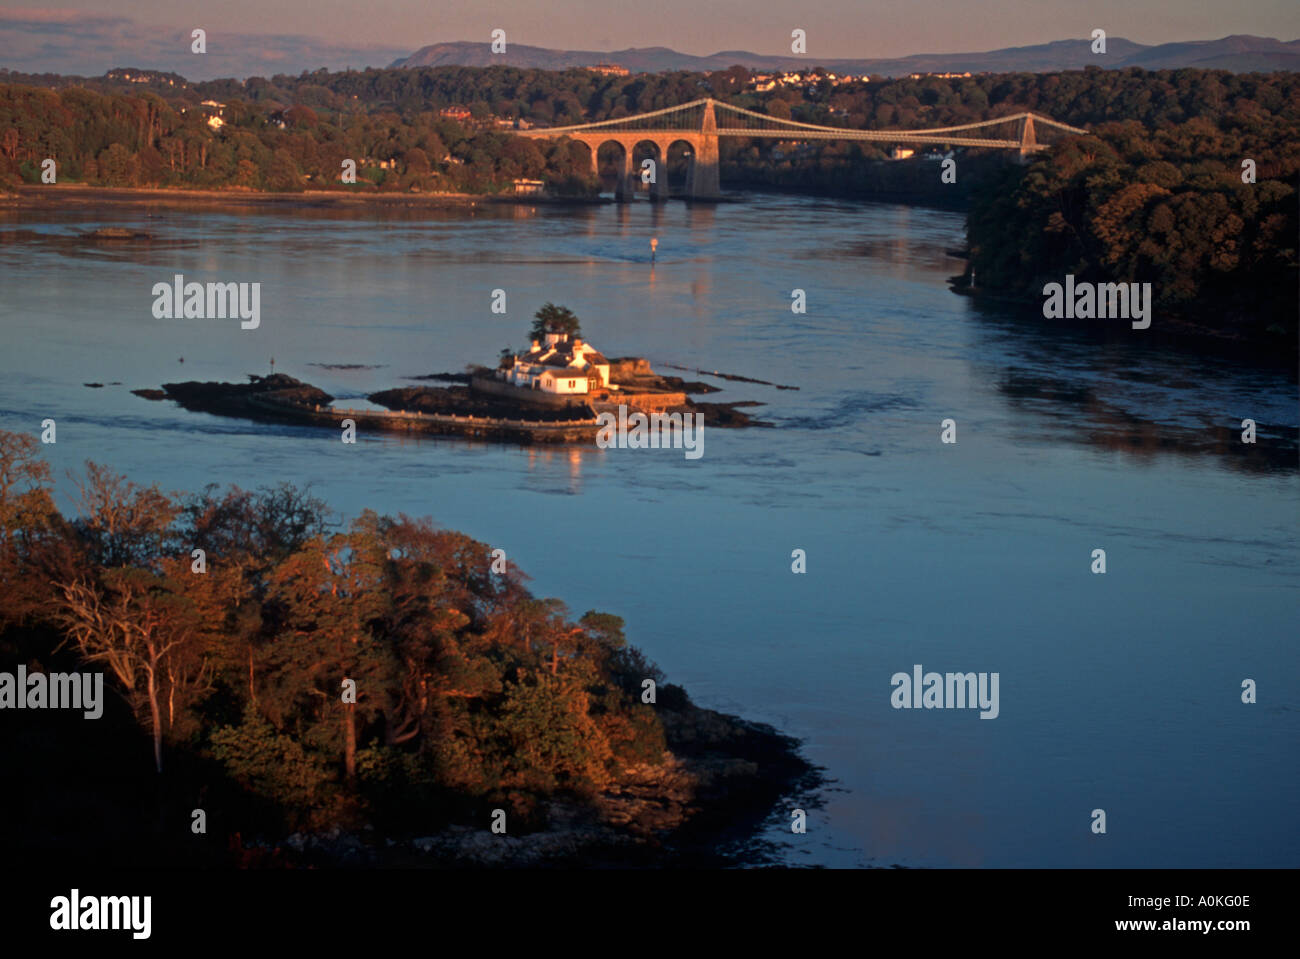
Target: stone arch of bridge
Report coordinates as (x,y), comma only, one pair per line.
(679,151)
(630,149)
(621,158)
(651,148)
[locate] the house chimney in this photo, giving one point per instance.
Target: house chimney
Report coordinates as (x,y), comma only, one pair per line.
(577,344)
(536,346)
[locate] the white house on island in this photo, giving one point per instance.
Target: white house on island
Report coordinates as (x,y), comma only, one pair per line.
(560,365)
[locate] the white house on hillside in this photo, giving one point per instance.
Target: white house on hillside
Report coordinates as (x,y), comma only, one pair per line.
(560,365)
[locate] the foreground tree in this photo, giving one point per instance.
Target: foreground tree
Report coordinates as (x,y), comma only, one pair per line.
(122,523)
(323,604)
(140,626)
(28,524)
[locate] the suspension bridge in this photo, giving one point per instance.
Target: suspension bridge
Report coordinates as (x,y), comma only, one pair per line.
(701,123)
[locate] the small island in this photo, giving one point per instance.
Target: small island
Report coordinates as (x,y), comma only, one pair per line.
(551,393)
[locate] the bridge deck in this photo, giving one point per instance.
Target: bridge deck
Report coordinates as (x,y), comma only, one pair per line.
(681,122)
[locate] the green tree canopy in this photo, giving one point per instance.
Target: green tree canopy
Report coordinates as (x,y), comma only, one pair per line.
(555,319)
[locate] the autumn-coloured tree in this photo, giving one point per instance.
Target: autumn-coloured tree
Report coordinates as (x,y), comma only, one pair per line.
(121,523)
(28,527)
(140,626)
(243,536)
(322,605)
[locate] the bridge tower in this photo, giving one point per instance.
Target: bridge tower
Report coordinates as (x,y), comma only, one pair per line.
(1027,139)
(705,183)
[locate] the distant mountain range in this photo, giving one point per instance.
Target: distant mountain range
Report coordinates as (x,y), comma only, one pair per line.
(1241,54)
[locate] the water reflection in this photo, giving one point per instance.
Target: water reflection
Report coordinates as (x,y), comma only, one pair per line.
(1137,394)
(546,463)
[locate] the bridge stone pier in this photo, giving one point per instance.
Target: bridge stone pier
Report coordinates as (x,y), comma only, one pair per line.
(696,125)
(702,181)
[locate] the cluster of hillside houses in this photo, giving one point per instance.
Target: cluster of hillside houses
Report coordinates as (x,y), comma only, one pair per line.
(763,82)
(461,114)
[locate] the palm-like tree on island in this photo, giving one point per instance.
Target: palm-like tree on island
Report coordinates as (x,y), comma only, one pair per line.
(555,319)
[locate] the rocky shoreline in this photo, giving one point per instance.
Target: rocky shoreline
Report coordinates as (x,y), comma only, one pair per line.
(234,399)
(29,195)
(720,781)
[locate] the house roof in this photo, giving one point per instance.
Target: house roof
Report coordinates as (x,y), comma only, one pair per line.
(563,354)
(559,359)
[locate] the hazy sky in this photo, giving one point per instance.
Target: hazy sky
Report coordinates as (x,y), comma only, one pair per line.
(107,33)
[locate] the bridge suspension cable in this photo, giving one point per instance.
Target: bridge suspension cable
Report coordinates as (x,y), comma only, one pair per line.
(600,124)
(777,125)
(933,131)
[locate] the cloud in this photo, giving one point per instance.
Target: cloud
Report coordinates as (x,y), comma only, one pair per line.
(71,42)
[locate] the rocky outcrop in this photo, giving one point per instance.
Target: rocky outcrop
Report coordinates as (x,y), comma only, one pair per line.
(237,399)
(728,414)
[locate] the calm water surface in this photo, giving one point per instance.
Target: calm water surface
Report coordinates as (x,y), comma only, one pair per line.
(1119,692)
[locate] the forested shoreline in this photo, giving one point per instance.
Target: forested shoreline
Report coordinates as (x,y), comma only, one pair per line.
(1155,193)
(286,673)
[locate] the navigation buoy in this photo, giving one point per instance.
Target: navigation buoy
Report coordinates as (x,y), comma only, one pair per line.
(654,246)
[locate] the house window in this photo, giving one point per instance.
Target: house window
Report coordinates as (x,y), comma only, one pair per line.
(571,384)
